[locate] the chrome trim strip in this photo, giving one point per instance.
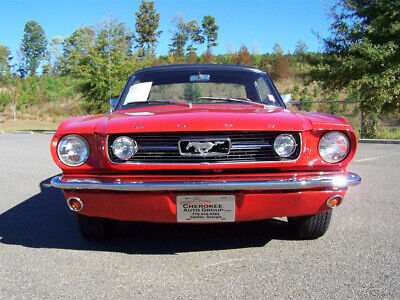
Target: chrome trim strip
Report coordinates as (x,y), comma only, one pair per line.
(250,146)
(158,148)
(336,181)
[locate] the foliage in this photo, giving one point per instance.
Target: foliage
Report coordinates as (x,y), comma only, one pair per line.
(77,49)
(371,126)
(278,50)
(101,58)
(281,66)
(207,58)
(333,107)
(210,30)
(192,92)
(300,52)
(306,97)
(192,58)
(52,56)
(242,57)
(35,91)
(5,63)
(296,92)
(33,47)
(147,22)
(194,34)
(301,48)
(364,52)
(389,133)
(179,37)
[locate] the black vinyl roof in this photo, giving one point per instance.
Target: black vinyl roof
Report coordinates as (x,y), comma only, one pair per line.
(199,66)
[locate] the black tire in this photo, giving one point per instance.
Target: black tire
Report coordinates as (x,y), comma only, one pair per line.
(310,227)
(95,228)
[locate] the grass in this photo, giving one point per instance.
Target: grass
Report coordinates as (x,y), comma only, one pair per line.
(389,133)
(31,125)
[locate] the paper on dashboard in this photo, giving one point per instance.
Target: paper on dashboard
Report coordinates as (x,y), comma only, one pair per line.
(138,92)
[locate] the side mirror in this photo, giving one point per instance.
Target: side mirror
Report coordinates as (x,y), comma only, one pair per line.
(113,104)
(287,99)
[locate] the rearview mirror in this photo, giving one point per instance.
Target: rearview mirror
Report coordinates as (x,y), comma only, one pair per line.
(287,99)
(113,104)
(199,78)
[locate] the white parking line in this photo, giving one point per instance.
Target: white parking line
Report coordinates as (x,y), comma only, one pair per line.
(377,157)
(23,132)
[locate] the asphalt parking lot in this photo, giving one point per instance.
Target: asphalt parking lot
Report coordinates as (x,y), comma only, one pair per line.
(42,254)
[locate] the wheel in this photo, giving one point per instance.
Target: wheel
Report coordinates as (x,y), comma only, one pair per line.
(95,228)
(310,227)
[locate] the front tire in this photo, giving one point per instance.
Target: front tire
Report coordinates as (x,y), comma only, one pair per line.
(310,227)
(95,228)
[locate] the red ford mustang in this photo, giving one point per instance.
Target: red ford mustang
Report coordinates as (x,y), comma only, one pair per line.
(203,144)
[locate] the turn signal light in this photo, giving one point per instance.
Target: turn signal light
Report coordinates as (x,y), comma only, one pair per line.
(75,204)
(334,201)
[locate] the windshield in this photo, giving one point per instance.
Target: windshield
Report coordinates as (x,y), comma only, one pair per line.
(160,87)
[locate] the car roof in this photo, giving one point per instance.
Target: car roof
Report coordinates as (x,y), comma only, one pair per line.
(199,66)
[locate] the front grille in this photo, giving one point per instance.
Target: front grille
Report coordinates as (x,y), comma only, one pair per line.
(246,146)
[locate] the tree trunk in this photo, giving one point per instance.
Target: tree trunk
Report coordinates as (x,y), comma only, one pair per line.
(13,105)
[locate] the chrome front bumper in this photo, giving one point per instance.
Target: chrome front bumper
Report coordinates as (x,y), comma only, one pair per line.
(336,181)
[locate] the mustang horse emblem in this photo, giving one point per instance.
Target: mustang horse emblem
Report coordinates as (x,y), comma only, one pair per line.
(202,147)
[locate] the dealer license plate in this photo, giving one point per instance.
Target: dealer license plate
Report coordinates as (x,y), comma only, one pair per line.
(205,208)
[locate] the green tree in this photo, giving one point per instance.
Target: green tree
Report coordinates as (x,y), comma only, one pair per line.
(363,52)
(306,97)
(301,48)
(210,30)
(334,108)
(33,46)
(5,63)
(180,36)
(101,59)
(371,125)
(195,36)
(296,92)
(52,56)
(242,57)
(147,22)
(277,49)
(300,51)
(208,57)
(77,51)
(281,67)
(192,92)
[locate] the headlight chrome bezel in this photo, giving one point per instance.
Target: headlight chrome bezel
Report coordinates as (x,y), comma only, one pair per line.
(325,136)
(285,135)
(134,147)
(85,157)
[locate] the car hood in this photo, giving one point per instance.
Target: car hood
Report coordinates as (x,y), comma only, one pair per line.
(203,118)
(172,118)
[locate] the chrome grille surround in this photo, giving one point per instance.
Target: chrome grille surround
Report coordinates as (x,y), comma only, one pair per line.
(245,147)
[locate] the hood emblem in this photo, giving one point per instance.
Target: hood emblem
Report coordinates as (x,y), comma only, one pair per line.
(204,147)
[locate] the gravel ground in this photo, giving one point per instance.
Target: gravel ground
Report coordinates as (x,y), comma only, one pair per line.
(43,256)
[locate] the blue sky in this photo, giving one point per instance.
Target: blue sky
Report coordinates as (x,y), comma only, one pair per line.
(254,23)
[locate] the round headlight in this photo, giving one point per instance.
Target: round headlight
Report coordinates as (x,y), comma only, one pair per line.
(334,146)
(73,150)
(124,147)
(285,145)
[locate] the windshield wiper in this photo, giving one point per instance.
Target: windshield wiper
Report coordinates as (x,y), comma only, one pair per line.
(242,100)
(169,101)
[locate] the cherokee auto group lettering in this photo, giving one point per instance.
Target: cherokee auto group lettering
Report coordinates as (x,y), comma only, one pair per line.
(202,207)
